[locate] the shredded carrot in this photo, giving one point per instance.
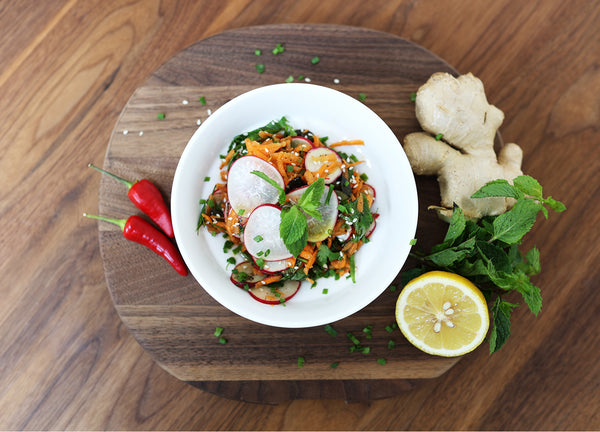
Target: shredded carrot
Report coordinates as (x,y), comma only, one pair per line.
(227,158)
(269,280)
(317,141)
(232,224)
(347,142)
(224,175)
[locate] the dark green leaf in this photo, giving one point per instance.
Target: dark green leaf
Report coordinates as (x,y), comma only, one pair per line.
(511,226)
(293,229)
(501,311)
(497,188)
(529,186)
(457,225)
(495,255)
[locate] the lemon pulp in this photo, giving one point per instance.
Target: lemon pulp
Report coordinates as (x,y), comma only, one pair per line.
(443,314)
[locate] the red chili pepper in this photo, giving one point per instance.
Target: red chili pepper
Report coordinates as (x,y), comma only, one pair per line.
(148,199)
(138,230)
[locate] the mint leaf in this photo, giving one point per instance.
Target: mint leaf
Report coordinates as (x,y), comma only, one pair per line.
(531,294)
(511,226)
(457,225)
(529,186)
(501,311)
(497,188)
(313,193)
(555,205)
(532,264)
(448,257)
(293,229)
(273,183)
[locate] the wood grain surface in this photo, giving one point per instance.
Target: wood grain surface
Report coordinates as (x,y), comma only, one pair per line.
(172,317)
(67,361)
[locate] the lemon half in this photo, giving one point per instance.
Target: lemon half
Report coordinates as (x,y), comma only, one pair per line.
(443,314)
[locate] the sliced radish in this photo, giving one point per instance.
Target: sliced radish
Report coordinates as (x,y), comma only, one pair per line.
(245,190)
(319,229)
(273,295)
(302,142)
(369,190)
(320,156)
(261,234)
(345,236)
(246,274)
(278,266)
(372,226)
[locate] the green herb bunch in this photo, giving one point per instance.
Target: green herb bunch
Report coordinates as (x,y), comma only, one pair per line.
(486,251)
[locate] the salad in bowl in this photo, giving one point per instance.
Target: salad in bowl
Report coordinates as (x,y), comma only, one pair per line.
(294,205)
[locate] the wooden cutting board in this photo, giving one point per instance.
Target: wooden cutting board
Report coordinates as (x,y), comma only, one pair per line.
(171,316)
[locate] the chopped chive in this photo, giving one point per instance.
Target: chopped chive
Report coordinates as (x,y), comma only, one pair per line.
(206,179)
(368,330)
(352,269)
(389,329)
(289,168)
(202,201)
(260,262)
(353,338)
(222,340)
(300,361)
(393,288)
(258,239)
(241,212)
(231,260)
(413,96)
(366,350)
(202,100)
(300,78)
(278,49)
(267,252)
(364,177)
(362,97)
(334,365)
(391,344)
(260,68)
(329,192)
(289,79)
(257,52)
(160,116)
(381,361)
(325,290)
(329,329)
(218,331)
(315,60)
(439,136)
(413,242)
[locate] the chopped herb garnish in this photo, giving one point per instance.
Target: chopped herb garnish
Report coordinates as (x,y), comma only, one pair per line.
(439,136)
(362,97)
(413,97)
(300,361)
(289,79)
(231,260)
(334,365)
(260,68)
(241,212)
(160,116)
(325,290)
(368,330)
(364,177)
(391,344)
(315,60)
(206,179)
(381,361)
(389,329)
(278,49)
(393,288)
(289,168)
(257,52)
(329,329)
(222,340)
(258,239)
(218,331)
(202,100)
(413,242)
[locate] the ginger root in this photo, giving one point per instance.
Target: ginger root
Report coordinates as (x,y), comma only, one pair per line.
(456,111)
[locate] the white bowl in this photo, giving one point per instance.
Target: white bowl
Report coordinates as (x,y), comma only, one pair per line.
(326,112)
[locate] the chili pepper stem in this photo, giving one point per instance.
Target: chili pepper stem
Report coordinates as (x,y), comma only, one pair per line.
(122,180)
(119,222)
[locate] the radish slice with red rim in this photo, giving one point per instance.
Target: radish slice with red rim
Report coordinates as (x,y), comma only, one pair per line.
(261,234)
(245,190)
(275,294)
(320,156)
(245,274)
(304,143)
(367,189)
(277,266)
(319,230)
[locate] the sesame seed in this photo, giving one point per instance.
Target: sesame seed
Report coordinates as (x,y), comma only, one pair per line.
(125,132)
(198,122)
(336,81)
(185,102)
(141,133)
(209,111)
(307,79)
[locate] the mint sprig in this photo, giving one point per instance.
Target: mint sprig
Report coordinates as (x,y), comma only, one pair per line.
(293,228)
(273,183)
(487,252)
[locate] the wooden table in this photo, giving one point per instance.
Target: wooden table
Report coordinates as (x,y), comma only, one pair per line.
(67,361)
